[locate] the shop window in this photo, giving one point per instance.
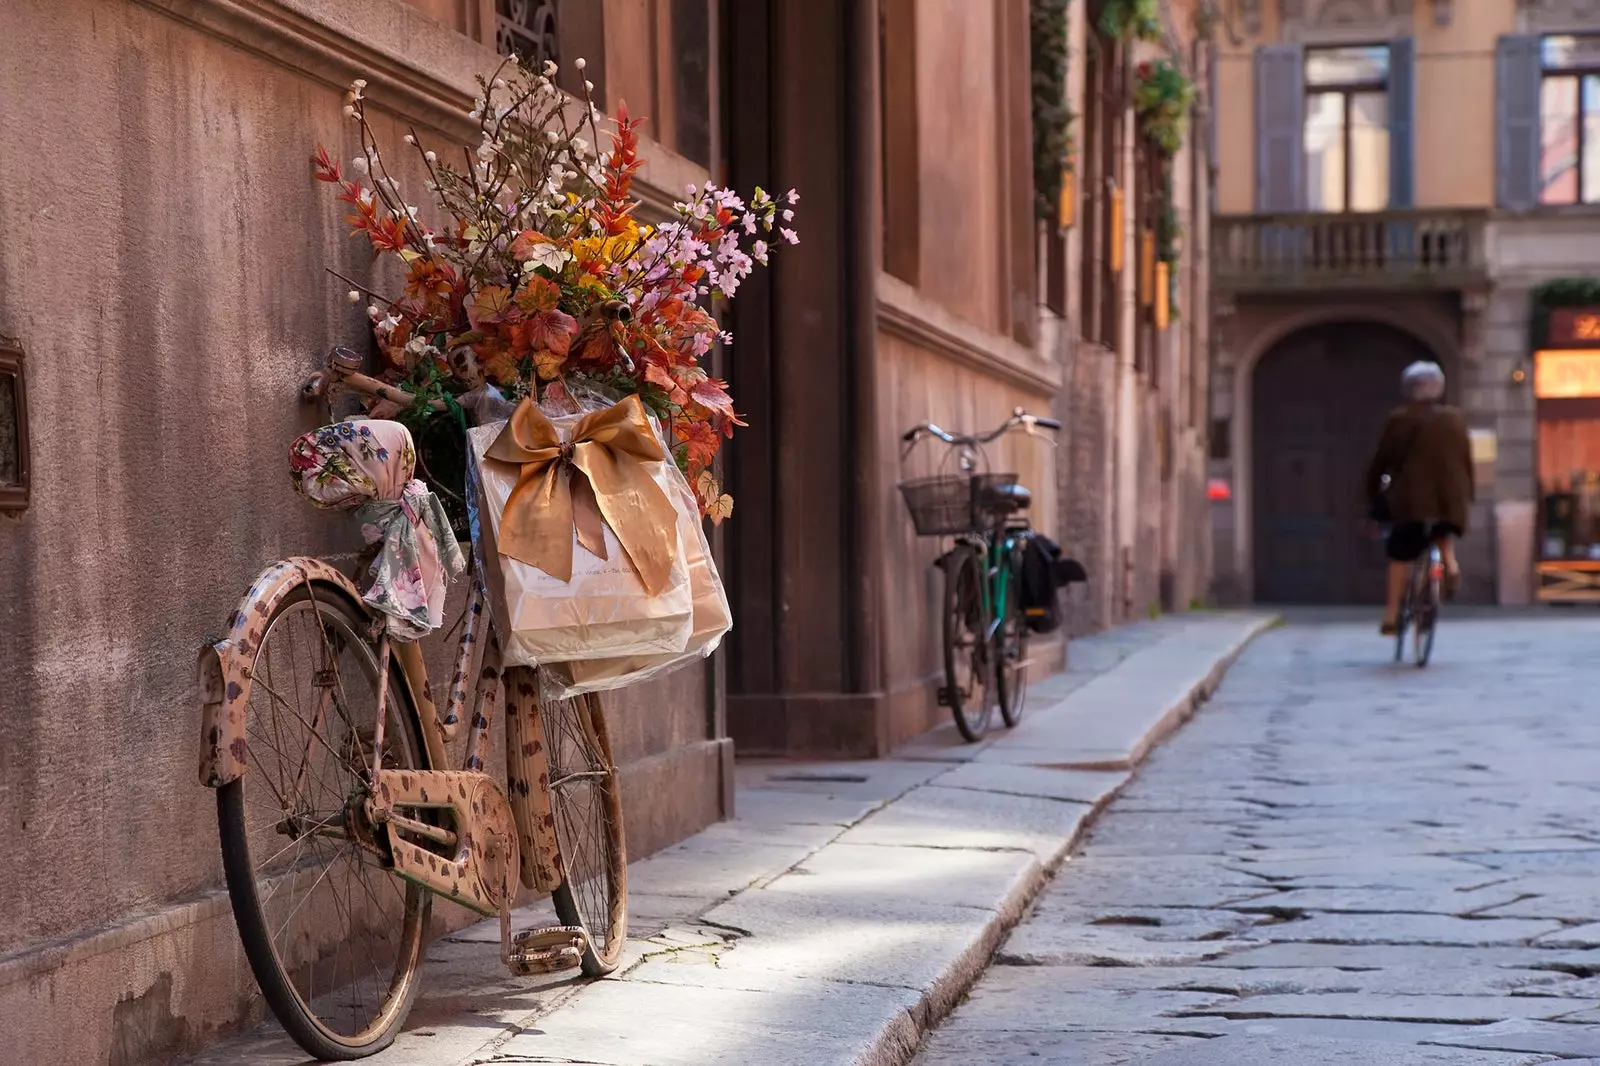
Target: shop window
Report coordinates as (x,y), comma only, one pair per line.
(14,480)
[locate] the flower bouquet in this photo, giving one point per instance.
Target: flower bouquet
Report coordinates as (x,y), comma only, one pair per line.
(539,278)
(576,334)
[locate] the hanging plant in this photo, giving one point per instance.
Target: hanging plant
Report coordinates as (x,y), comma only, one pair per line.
(1169,232)
(1052,118)
(1128,20)
(1162,97)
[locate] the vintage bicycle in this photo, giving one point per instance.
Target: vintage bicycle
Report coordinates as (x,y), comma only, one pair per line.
(341,819)
(984,632)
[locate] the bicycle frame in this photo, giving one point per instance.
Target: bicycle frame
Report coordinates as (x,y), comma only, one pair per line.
(481,870)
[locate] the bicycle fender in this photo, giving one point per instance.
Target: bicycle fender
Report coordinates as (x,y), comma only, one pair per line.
(224,665)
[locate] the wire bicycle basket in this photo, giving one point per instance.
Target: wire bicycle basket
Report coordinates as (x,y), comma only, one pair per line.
(947,504)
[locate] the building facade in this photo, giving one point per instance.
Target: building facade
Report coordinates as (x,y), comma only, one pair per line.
(1401,180)
(163,296)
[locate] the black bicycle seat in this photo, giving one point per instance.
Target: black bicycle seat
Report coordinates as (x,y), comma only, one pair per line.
(1006,498)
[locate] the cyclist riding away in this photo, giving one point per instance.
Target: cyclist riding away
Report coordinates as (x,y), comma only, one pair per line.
(1419,482)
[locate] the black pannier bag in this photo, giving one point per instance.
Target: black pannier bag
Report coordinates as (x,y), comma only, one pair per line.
(1044,573)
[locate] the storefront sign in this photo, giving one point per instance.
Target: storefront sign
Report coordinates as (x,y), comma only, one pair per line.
(1561,375)
(1574,327)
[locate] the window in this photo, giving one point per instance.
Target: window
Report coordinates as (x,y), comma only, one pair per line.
(1346,128)
(1569,120)
(13,429)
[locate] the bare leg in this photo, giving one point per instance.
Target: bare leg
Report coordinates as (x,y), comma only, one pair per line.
(1398,574)
(1452,569)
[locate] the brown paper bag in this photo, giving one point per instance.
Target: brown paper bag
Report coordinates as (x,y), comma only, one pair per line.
(603,612)
(712,619)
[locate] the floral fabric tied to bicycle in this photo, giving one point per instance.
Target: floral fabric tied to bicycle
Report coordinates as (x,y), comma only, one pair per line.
(366,466)
(595,561)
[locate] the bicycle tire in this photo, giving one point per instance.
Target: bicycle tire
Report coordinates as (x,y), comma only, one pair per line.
(593,895)
(1424,639)
(294,1011)
(1402,621)
(964,642)
(1011,649)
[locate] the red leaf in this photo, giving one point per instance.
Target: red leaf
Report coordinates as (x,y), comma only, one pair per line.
(712,395)
(551,331)
(327,168)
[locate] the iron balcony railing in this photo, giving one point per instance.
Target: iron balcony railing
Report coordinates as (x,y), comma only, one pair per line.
(1418,248)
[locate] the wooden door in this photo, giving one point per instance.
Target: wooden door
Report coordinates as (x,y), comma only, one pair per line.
(1319,400)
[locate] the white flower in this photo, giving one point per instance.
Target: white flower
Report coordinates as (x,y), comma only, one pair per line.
(473,115)
(388,322)
(550,256)
(550,68)
(360,165)
(353,296)
(552,136)
(409,139)
(499,83)
(588,86)
(512,59)
(580,62)
(360,83)
(349,111)
(430,156)
(690,191)
(374,312)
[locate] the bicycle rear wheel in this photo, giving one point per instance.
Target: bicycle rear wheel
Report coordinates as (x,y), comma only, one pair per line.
(587,804)
(968,665)
(333,937)
(1427,622)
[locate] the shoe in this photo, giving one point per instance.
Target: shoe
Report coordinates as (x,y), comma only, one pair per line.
(1389,629)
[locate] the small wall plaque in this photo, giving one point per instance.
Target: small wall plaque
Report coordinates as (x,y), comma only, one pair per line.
(14,473)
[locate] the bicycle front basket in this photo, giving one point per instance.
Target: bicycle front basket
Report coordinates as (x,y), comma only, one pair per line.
(951,503)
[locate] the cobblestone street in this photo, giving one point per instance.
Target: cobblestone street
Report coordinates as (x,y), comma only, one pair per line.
(1339,860)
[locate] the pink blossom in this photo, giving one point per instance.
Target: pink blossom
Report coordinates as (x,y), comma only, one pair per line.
(789,235)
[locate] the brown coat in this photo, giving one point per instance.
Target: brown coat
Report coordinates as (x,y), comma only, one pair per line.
(1427,454)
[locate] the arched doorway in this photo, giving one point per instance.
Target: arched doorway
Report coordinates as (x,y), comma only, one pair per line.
(1318,402)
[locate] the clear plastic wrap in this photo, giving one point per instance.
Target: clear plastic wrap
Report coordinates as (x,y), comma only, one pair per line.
(604,612)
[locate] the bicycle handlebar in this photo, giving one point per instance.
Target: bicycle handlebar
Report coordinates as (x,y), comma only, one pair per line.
(1019,417)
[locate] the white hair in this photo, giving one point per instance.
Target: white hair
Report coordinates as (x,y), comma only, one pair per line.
(1422,380)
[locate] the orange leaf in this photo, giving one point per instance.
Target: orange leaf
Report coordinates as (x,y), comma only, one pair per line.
(548,364)
(712,395)
(489,305)
(657,374)
(702,442)
(538,295)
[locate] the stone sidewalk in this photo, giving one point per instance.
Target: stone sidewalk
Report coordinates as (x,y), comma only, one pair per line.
(847,908)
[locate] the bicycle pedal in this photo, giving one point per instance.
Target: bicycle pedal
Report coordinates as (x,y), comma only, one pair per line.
(545,951)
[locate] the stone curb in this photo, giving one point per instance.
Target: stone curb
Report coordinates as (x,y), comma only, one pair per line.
(964,971)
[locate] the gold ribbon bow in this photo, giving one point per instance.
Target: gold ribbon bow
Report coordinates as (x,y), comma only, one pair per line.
(596,478)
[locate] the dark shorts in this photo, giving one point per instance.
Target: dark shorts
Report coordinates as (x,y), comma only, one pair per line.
(1408,540)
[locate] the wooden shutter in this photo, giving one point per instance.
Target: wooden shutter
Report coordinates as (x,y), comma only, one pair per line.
(1402,121)
(1517,70)
(1280,107)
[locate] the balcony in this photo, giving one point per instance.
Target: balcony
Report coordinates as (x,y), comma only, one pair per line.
(1422,249)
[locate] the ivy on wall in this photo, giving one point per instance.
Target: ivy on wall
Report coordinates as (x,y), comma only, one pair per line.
(1162,97)
(1128,20)
(1052,117)
(1562,292)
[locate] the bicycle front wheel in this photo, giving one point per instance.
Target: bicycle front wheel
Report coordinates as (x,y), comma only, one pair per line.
(587,804)
(334,938)
(1011,651)
(967,662)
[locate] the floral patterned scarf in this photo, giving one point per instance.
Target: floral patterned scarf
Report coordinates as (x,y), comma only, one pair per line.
(365,466)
